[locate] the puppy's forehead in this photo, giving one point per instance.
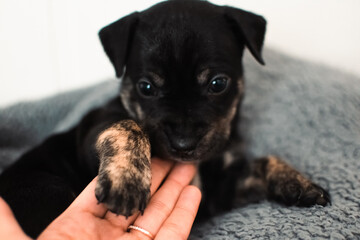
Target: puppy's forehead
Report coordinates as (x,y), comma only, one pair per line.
(180,10)
(184,32)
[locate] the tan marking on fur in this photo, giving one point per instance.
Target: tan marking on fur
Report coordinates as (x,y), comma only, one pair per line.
(276,168)
(203,77)
(118,166)
(139,112)
(225,123)
(240,85)
(134,109)
(253,182)
(120,138)
(274,164)
(228,159)
(126,88)
(158,81)
(223,126)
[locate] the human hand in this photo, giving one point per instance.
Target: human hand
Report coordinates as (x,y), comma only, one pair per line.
(169,214)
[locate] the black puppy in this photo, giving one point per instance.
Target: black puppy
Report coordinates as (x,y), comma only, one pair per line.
(179,99)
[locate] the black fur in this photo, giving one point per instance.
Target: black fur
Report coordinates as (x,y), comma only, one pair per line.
(184,52)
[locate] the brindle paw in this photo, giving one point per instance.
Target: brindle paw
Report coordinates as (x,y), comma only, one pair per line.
(314,194)
(124,172)
(125,197)
(288,186)
(301,193)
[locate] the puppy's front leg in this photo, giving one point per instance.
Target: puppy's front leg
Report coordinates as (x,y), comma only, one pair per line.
(124,172)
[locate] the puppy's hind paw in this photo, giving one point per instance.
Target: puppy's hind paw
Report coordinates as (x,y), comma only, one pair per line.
(301,193)
(314,194)
(288,186)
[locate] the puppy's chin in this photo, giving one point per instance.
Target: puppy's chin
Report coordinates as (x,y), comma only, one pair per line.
(179,156)
(184,159)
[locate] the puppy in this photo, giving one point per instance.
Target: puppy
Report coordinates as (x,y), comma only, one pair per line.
(180,95)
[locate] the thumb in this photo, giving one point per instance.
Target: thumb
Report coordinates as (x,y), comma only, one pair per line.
(9,227)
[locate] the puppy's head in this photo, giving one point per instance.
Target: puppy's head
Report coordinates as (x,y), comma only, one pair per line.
(183,79)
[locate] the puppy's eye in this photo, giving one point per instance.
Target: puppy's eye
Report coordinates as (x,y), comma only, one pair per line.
(218,84)
(146,89)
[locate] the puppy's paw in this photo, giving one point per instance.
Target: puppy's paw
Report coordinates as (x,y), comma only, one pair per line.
(288,186)
(312,195)
(300,193)
(125,195)
(125,171)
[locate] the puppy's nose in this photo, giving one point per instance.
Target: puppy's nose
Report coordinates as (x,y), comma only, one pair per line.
(183,144)
(179,141)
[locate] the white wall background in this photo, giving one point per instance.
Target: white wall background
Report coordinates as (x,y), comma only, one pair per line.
(49,46)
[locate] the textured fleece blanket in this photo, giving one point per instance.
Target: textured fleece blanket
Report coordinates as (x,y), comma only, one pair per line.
(300,111)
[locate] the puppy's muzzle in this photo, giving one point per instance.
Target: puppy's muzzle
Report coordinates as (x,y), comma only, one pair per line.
(183,139)
(182,144)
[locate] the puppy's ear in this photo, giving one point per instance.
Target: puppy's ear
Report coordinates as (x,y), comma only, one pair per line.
(248,27)
(116,39)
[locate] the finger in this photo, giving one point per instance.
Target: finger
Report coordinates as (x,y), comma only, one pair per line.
(179,223)
(159,170)
(87,202)
(163,202)
(9,227)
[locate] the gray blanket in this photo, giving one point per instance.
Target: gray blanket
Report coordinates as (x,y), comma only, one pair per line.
(302,112)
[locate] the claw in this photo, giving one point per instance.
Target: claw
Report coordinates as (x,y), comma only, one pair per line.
(100,197)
